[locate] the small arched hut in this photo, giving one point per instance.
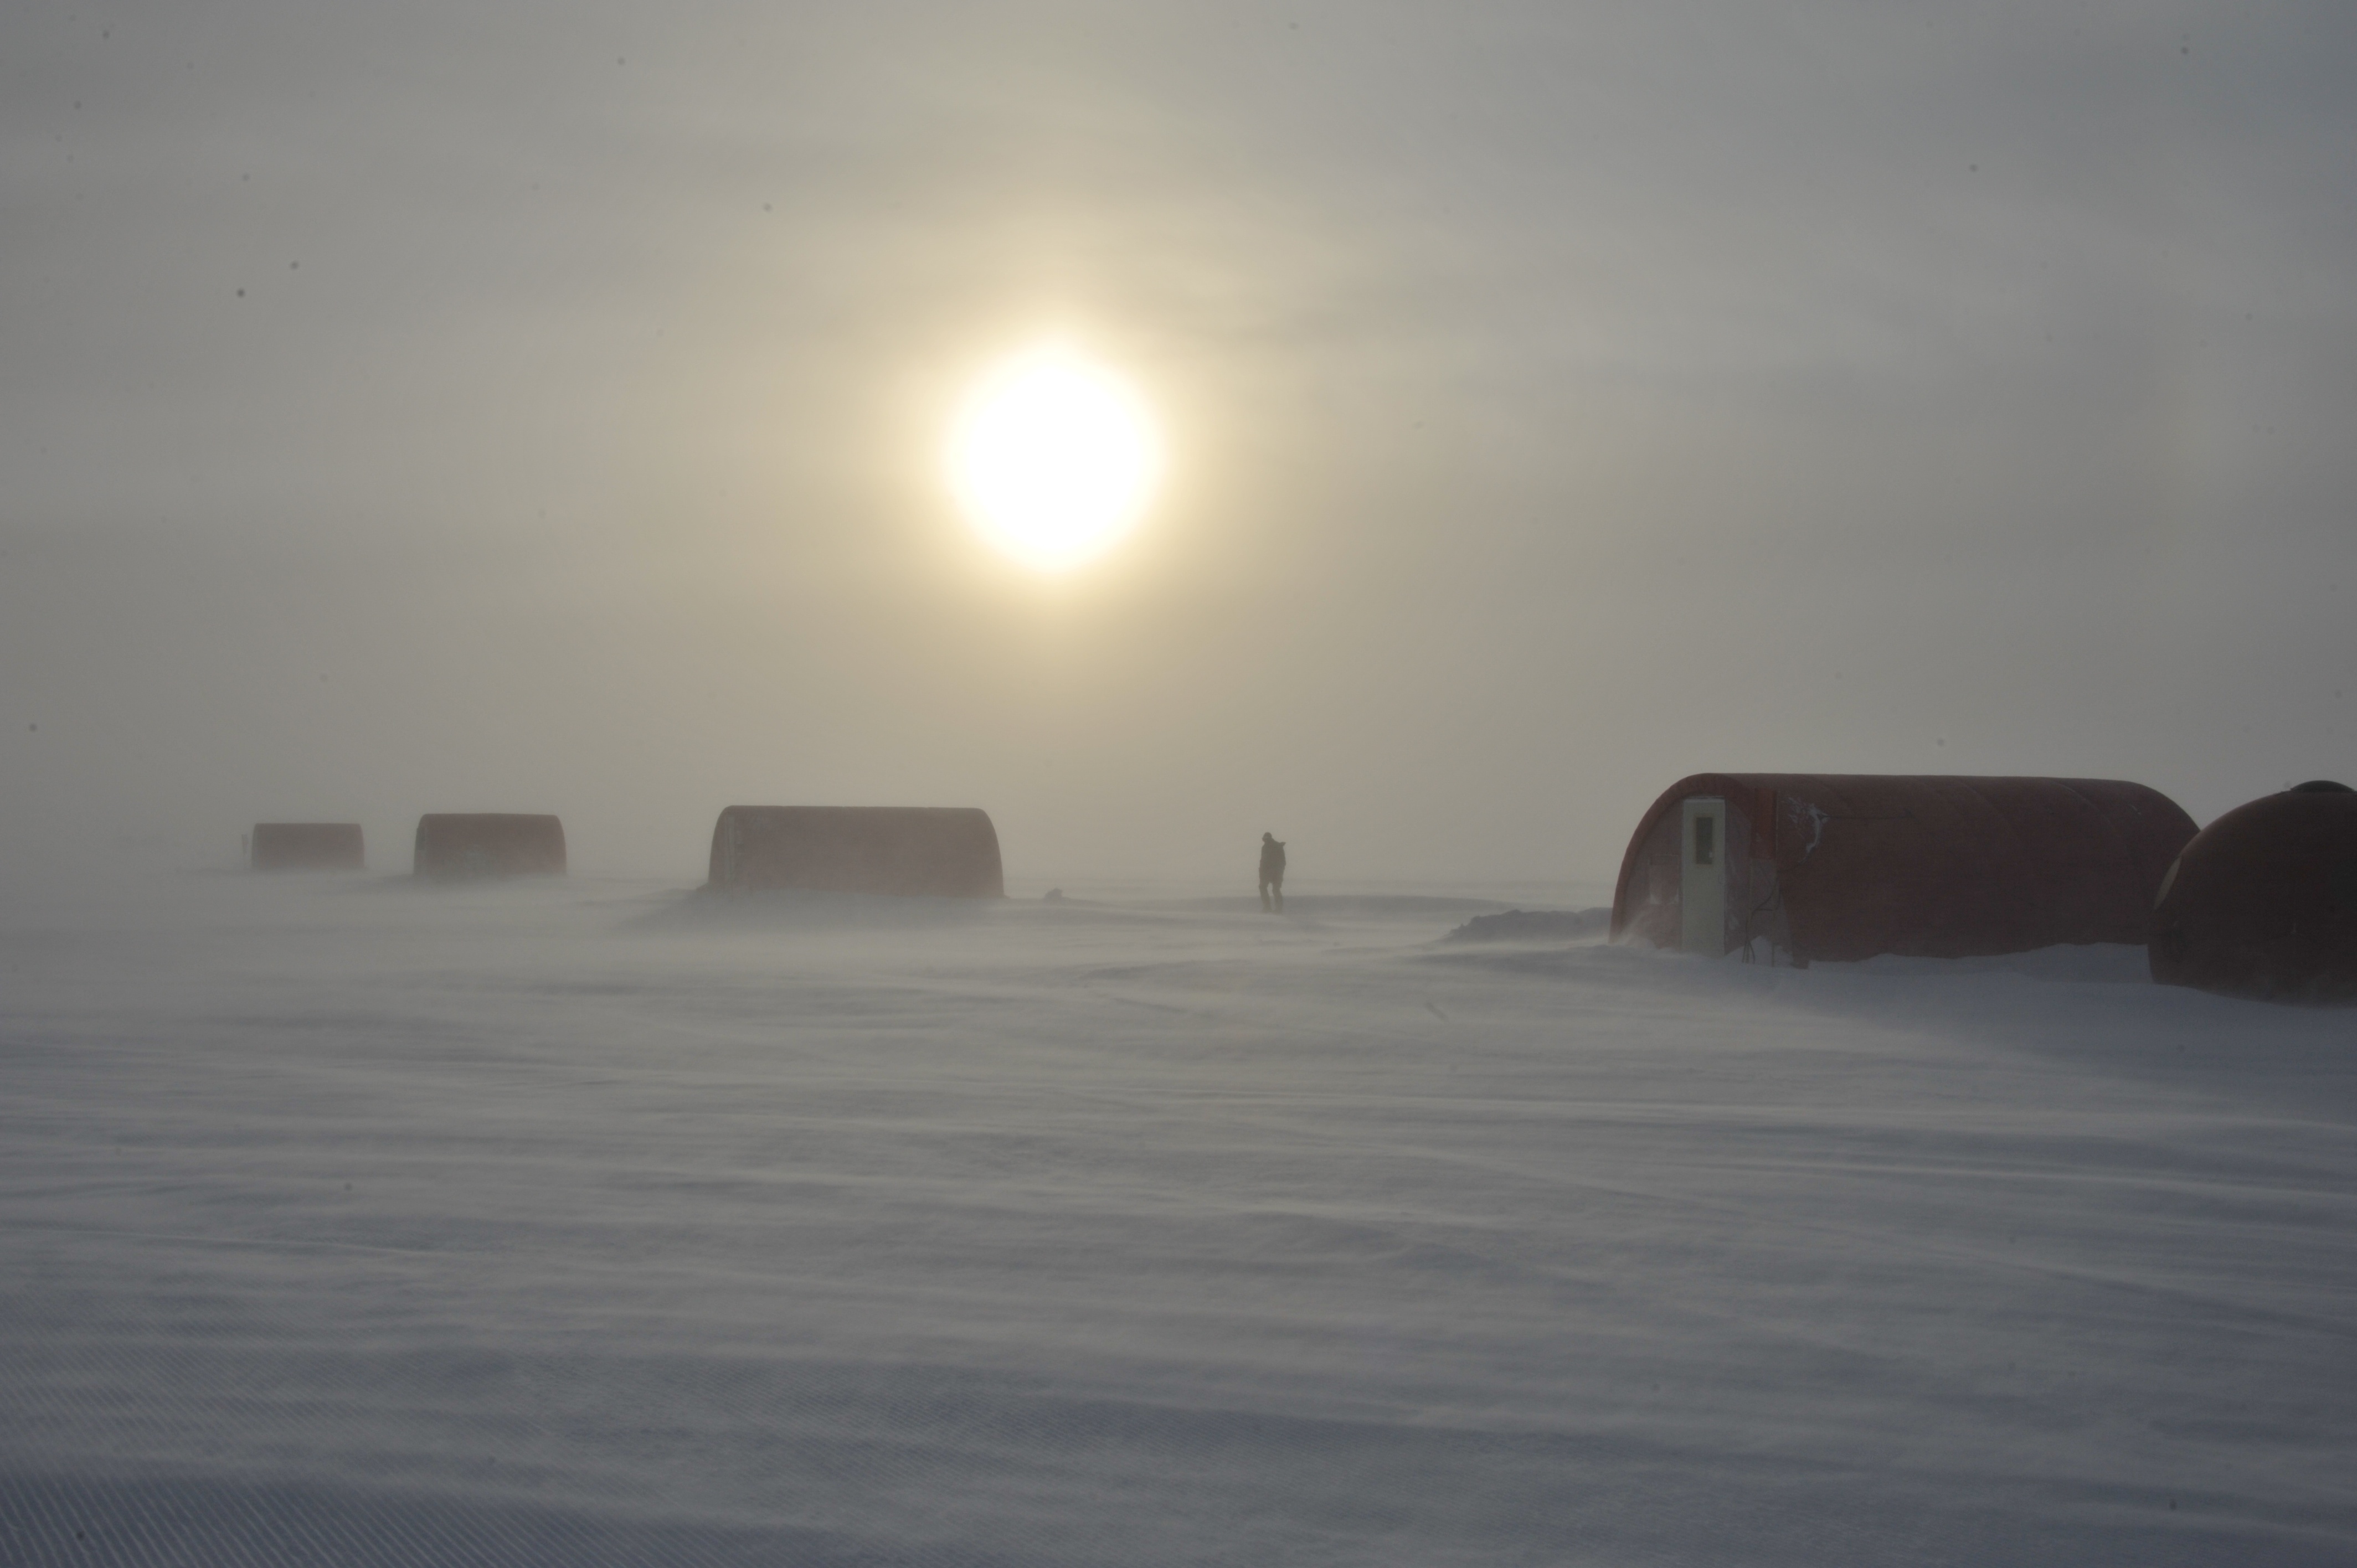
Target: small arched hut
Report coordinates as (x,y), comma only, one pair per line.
(2263,903)
(941,852)
(1845,866)
(305,846)
(459,847)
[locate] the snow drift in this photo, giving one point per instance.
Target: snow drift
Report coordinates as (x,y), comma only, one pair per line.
(342,1223)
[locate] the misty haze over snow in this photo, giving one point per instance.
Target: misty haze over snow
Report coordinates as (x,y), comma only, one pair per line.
(540,409)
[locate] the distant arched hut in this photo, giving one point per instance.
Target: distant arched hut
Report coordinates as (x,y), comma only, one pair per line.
(457,846)
(1844,867)
(943,852)
(2263,903)
(306,846)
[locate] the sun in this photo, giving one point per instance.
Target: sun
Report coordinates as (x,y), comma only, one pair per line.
(1053,457)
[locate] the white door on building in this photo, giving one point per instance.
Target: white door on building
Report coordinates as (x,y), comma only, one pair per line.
(1702,877)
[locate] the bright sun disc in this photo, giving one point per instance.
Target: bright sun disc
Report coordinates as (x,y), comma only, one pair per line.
(1052,457)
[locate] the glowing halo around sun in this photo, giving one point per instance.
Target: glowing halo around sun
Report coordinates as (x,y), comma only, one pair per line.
(1053,457)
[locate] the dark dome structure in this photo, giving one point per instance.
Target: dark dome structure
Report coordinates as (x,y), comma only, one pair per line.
(1846,866)
(2263,903)
(305,846)
(463,846)
(943,852)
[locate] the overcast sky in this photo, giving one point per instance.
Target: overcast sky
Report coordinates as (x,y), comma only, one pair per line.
(537,407)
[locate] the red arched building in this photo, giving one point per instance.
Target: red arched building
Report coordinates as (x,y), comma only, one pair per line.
(2263,903)
(1843,866)
(459,847)
(305,846)
(943,851)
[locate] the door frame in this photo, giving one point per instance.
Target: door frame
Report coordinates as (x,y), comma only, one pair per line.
(1702,875)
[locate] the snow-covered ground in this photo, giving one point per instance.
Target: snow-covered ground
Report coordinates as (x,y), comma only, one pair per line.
(344,1220)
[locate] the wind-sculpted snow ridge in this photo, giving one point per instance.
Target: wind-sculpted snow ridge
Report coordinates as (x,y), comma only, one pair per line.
(544,1223)
(1535,926)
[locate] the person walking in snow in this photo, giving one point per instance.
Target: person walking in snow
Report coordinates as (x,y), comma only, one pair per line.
(1271,875)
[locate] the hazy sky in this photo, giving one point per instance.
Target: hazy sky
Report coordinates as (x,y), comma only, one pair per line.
(537,407)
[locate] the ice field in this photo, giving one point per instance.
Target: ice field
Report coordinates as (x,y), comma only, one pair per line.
(348,1221)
